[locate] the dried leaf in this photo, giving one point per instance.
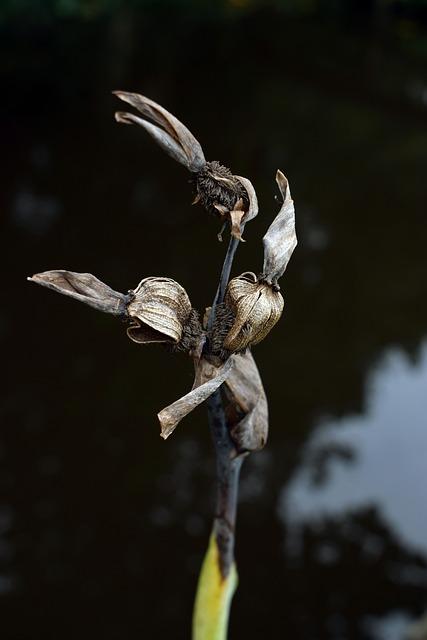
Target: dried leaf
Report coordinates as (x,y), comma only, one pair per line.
(167,130)
(208,379)
(280,239)
(247,409)
(252,197)
(163,139)
(85,288)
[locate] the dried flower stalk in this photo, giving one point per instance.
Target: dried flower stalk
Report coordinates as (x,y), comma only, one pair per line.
(243,312)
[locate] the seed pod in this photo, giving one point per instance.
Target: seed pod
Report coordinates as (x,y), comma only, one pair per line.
(218,189)
(215,187)
(159,309)
(256,306)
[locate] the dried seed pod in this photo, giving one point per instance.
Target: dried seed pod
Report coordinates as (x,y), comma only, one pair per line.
(216,188)
(256,306)
(159,309)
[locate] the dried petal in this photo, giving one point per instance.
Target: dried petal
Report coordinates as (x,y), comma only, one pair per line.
(85,288)
(167,130)
(208,379)
(256,307)
(280,239)
(247,410)
(252,210)
(236,217)
(159,309)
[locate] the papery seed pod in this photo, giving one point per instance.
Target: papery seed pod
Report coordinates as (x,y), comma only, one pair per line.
(215,186)
(159,309)
(256,306)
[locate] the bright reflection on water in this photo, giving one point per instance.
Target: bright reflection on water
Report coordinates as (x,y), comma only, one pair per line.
(378,458)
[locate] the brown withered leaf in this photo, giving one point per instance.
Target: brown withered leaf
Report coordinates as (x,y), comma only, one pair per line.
(280,239)
(85,288)
(168,131)
(208,378)
(247,410)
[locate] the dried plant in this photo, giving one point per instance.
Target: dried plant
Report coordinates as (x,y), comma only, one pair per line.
(244,311)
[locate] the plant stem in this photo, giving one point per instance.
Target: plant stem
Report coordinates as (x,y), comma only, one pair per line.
(227,481)
(224,278)
(218,578)
(227,464)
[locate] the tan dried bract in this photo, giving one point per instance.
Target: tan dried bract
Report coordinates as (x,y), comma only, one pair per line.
(83,287)
(280,239)
(247,408)
(208,378)
(165,128)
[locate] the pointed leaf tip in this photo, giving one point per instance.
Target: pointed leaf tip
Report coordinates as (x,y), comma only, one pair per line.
(83,287)
(165,128)
(280,239)
(283,184)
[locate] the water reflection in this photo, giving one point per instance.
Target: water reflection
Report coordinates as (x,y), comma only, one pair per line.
(377,458)
(358,498)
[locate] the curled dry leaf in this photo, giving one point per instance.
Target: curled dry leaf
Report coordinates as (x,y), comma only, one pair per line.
(247,408)
(208,378)
(280,239)
(252,208)
(167,130)
(244,210)
(85,288)
(256,307)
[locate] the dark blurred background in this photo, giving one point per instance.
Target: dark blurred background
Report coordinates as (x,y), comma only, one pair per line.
(103,526)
